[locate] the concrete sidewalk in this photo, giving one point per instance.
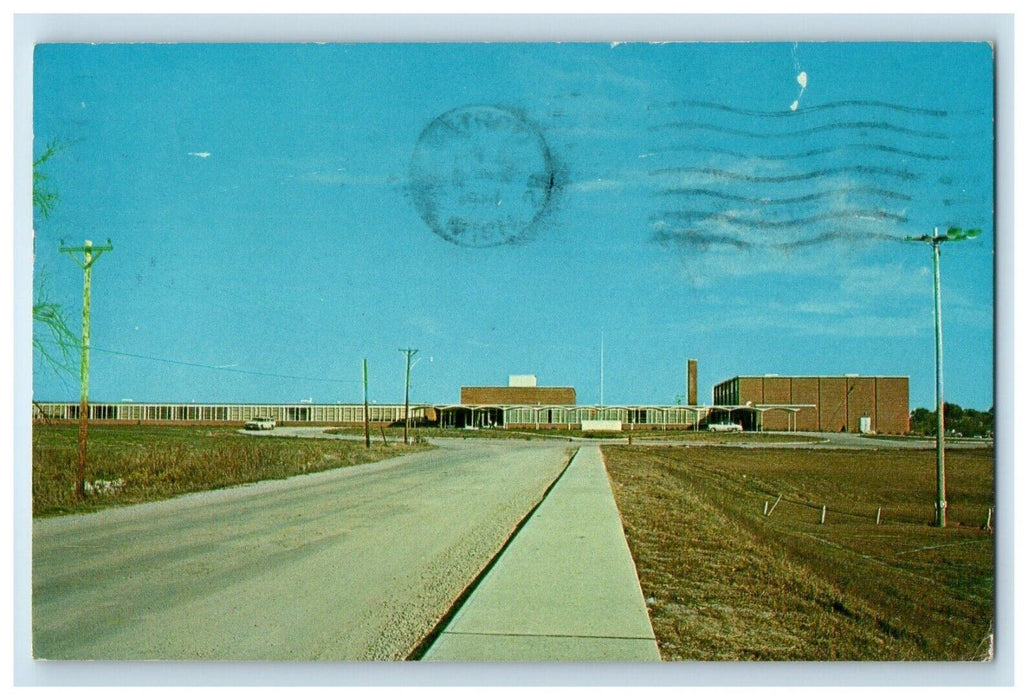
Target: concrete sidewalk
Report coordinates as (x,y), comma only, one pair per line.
(564,589)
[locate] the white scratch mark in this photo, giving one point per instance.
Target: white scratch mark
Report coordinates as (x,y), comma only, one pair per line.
(803,78)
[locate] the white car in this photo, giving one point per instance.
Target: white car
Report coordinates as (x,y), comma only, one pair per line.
(725,427)
(260,423)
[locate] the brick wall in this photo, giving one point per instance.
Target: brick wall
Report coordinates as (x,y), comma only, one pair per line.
(833,411)
(892,405)
(518,395)
(750,390)
(861,400)
(776,390)
(691,382)
(805,390)
(839,402)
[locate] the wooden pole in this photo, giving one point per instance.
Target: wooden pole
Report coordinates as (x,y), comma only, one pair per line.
(84,378)
(823,516)
(366,406)
(410,352)
(90,255)
(878,515)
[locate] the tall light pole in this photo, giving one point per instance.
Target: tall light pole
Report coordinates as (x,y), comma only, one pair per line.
(90,253)
(410,352)
(953,234)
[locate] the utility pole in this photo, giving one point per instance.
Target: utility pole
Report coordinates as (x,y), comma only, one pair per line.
(410,352)
(939,384)
(366,406)
(953,234)
(601,367)
(90,255)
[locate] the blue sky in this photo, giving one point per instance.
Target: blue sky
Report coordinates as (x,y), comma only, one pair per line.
(280,212)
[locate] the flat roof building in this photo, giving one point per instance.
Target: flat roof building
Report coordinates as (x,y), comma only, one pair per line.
(846,403)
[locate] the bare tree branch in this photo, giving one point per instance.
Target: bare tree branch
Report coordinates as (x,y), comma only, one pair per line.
(52,338)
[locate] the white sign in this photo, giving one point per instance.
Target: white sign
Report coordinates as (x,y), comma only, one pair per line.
(613,426)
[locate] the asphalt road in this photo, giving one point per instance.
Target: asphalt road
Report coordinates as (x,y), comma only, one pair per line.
(353,564)
(819,441)
(872,442)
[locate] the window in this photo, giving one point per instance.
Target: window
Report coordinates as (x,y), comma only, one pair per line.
(298,413)
(104,412)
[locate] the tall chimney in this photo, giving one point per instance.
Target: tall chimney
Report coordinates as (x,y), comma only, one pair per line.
(691,382)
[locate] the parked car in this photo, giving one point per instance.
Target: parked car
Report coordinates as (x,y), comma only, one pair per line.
(725,427)
(260,423)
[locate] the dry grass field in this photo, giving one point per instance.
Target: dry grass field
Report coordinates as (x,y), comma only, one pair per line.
(724,581)
(133,464)
(638,436)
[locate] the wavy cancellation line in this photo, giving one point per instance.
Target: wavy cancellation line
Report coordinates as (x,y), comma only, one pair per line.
(822,107)
(844,215)
(875,147)
(833,126)
(801,199)
(834,236)
(799,177)
(696,239)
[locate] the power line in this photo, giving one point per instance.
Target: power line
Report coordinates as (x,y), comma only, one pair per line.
(216,368)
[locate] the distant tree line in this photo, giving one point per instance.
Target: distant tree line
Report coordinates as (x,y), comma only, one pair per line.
(968,422)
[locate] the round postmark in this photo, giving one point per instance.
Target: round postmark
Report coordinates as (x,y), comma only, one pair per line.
(482,176)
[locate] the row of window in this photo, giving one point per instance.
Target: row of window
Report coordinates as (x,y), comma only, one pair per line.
(228,413)
(353,413)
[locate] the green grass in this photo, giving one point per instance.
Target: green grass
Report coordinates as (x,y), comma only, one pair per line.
(724,582)
(159,462)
